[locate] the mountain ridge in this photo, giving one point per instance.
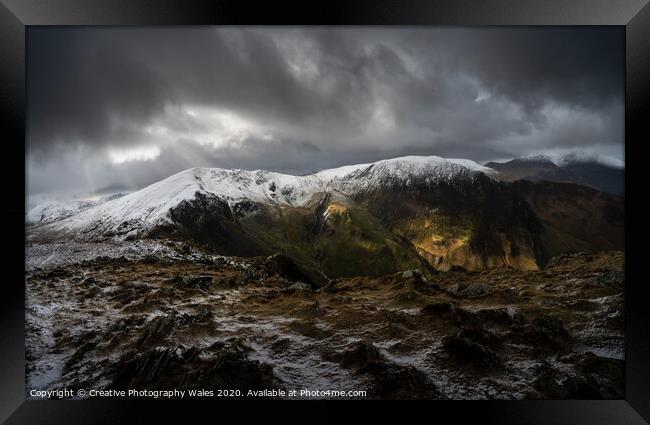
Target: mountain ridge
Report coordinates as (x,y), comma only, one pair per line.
(234,185)
(600,172)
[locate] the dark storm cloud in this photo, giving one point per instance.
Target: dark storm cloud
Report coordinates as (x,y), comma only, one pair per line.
(79,85)
(296,100)
(578,67)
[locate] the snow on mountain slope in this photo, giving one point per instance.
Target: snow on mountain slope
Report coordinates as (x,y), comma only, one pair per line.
(408,166)
(583,157)
(563,159)
(430,169)
(149,207)
(56,210)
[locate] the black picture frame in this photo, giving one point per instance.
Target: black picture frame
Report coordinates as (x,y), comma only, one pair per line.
(16,15)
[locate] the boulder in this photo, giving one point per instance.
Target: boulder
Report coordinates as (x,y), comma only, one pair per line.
(465,350)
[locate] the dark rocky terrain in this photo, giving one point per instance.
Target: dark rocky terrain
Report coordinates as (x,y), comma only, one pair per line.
(163,314)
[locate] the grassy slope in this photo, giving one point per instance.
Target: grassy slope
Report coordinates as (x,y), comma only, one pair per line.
(474,225)
(351,241)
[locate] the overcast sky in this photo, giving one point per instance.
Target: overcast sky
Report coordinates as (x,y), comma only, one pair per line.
(110,108)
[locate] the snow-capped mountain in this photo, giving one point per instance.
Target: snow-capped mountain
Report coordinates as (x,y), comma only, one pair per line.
(564,159)
(149,207)
(604,173)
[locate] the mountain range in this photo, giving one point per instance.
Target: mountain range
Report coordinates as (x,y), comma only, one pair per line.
(372,219)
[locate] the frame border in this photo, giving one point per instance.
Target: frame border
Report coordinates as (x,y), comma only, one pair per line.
(15,15)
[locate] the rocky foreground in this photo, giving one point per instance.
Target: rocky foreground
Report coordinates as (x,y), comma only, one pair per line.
(164,315)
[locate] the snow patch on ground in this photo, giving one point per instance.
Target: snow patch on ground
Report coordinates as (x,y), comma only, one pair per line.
(47,255)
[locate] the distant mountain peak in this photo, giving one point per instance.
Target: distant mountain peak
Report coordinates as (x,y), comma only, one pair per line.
(579,157)
(601,172)
(563,159)
(536,158)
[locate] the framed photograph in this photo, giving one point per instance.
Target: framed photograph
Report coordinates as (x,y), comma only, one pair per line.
(222,203)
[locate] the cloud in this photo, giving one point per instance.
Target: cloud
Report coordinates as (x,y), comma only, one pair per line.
(136,153)
(138,104)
